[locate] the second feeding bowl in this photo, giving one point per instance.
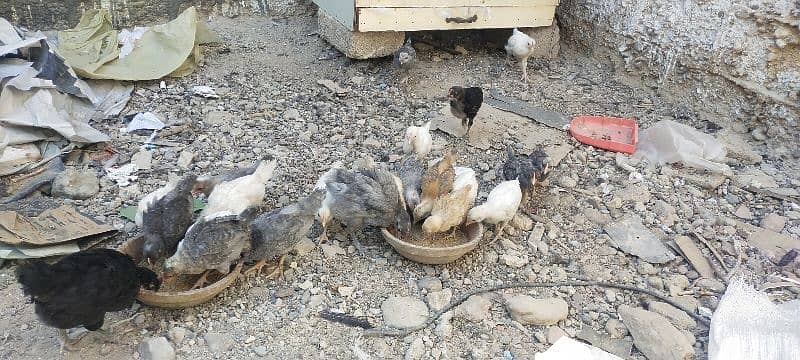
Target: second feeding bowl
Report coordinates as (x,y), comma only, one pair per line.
(441,248)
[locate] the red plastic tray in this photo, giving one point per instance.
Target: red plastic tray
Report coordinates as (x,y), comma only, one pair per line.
(609,133)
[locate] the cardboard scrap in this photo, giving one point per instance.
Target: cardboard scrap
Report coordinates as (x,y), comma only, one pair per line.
(51,227)
(694,256)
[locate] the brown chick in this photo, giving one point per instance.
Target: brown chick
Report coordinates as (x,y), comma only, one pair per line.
(449,211)
(437,181)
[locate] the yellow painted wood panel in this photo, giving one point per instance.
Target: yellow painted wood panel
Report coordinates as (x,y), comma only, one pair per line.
(416,19)
(451,3)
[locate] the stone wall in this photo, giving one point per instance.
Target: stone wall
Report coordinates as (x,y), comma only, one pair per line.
(740,55)
(62,14)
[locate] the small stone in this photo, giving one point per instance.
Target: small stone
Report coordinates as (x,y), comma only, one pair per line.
(654,336)
(218,342)
(475,308)
(489,175)
(75,184)
(416,350)
(611,296)
(304,246)
(292,114)
(404,312)
(536,234)
(157,348)
(430,283)
(346,291)
(635,193)
(614,203)
(616,328)
(437,300)
(217,117)
(143,159)
(676,284)
(315,300)
(743,212)
(554,333)
(774,222)
(513,261)
(185,159)
(529,311)
(305,285)
(596,216)
(373,142)
(711,284)
(522,222)
(250,339)
(177,334)
(568,182)
(330,251)
(677,317)
(260,350)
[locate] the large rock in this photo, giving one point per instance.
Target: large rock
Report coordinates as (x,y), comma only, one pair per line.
(654,336)
(404,312)
(358,45)
(157,348)
(75,184)
(677,317)
(475,309)
(530,311)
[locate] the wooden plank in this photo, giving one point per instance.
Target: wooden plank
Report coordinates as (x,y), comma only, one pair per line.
(451,3)
(344,11)
(416,19)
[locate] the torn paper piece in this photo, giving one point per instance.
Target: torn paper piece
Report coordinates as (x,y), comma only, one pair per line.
(205,91)
(52,226)
(123,175)
(145,121)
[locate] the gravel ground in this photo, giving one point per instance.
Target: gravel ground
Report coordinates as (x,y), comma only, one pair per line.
(266,74)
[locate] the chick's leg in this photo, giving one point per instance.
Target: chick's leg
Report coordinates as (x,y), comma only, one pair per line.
(65,342)
(202,281)
(498,231)
(524,65)
(323,238)
(256,268)
(278,272)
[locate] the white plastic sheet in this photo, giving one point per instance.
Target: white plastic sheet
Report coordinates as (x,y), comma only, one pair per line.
(568,349)
(669,142)
(748,326)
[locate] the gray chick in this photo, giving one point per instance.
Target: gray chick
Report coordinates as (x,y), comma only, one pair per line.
(406,56)
(207,183)
(411,171)
(164,215)
(367,197)
(276,233)
(213,242)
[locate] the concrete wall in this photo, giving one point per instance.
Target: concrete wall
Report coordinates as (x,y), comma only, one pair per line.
(62,14)
(742,55)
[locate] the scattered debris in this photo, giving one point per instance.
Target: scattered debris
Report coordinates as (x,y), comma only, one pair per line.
(144,121)
(549,118)
(692,254)
(668,142)
(333,87)
(204,91)
(123,175)
(618,347)
(566,348)
(630,236)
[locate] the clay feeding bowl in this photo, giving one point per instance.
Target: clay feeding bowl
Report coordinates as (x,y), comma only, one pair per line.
(441,248)
(176,295)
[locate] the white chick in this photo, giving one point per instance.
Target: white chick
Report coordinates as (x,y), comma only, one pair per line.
(520,46)
(500,207)
(418,140)
(241,193)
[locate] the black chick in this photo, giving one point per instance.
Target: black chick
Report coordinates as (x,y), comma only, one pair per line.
(80,288)
(541,163)
(165,218)
(522,169)
(465,103)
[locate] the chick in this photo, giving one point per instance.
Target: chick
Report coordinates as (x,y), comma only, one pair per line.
(236,195)
(213,242)
(276,233)
(541,163)
(367,197)
(522,169)
(465,103)
(520,46)
(324,212)
(164,215)
(450,210)
(500,207)
(410,172)
(418,140)
(406,56)
(437,181)
(80,288)
(207,183)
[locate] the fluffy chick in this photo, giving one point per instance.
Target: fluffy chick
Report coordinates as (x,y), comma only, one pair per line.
(520,46)
(465,103)
(164,215)
(213,242)
(541,163)
(410,172)
(522,169)
(437,181)
(236,195)
(82,287)
(367,197)
(206,183)
(500,207)
(405,57)
(450,210)
(418,140)
(276,233)
(324,213)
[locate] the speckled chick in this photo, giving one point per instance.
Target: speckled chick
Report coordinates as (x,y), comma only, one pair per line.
(410,172)
(164,215)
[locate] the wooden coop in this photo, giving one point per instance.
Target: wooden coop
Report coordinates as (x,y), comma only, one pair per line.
(373,28)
